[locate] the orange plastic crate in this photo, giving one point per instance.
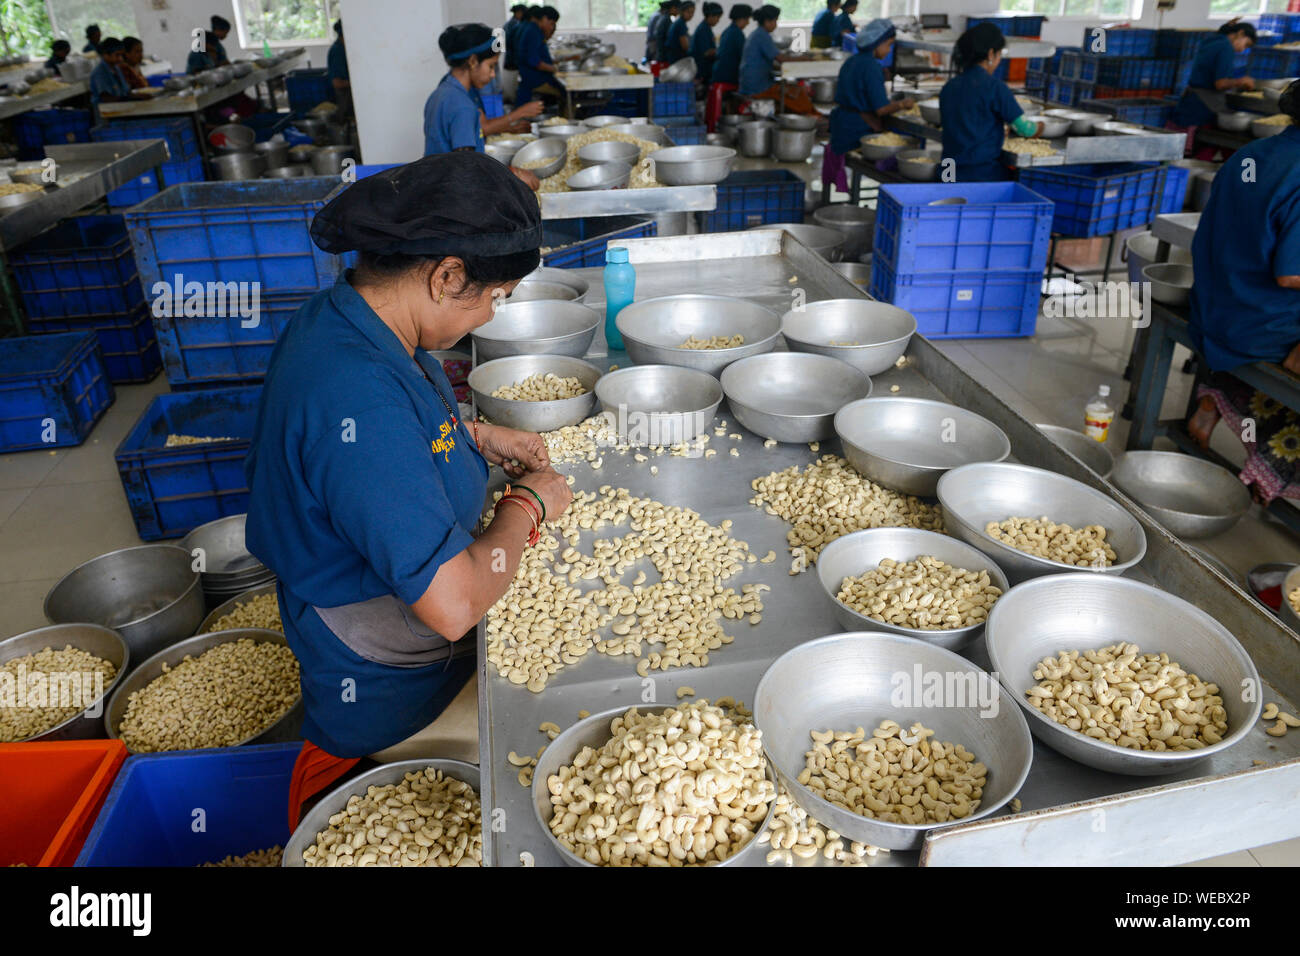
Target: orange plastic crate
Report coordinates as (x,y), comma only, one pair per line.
(52,795)
(1016,70)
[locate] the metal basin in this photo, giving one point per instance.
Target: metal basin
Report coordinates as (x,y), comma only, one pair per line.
(91,638)
(882,331)
(653,330)
(1088,450)
(273,153)
(550,153)
(149,594)
(1235,120)
(287,728)
(755,138)
(642,130)
(794,121)
(974,495)
(859,273)
(1290,617)
(293,171)
(594,732)
(224,552)
(225,607)
(874,150)
(827,243)
(533,416)
(855,554)
(503,151)
(930,111)
(792,145)
(1086,611)
(1171,282)
(856,223)
(560,132)
(604,176)
(597,122)
(232,138)
(317,818)
(683,71)
(1259,129)
(609,151)
(692,165)
(846,681)
(1140,251)
(1053,126)
(536,327)
(792,396)
(239,166)
(919,165)
(659,404)
(902,443)
(548,283)
(328,160)
(823,89)
(1191,497)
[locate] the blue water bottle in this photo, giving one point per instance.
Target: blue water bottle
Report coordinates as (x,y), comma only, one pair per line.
(620,285)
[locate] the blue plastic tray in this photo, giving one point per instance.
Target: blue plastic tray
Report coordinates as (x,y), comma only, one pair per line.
(53,388)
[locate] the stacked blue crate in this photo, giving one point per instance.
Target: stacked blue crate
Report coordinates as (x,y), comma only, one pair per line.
(185,163)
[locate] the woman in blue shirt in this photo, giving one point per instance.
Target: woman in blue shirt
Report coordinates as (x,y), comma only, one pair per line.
(761,54)
(1245,303)
(843,23)
(453,114)
(731,46)
(679,34)
(536,68)
(975,107)
(365,486)
(107,85)
(704,48)
(1212,78)
(821,25)
(861,101)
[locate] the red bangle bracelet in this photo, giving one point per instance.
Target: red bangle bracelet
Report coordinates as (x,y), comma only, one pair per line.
(534,535)
(530,505)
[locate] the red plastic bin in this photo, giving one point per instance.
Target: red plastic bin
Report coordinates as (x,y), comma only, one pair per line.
(52,795)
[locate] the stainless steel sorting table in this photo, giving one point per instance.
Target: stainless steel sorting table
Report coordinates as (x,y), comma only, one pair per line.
(1070,812)
(16,105)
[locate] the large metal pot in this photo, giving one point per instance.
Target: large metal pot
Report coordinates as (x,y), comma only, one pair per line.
(275,153)
(857,223)
(1140,252)
(239,166)
(755,138)
(232,138)
(328,160)
(792,145)
(91,638)
(149,594)
(823,89)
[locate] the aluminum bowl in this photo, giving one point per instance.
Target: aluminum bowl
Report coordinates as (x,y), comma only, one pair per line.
(597,122)
(876,151)
(919,165)
(930,111)
(1191,497)
(533,416)
(693,165)
(665,404)
(848,680)
(1084,611)
(287,728)
(1088,450)
(317,818)
(1171,282)
(826,242)
(1259,129)
(604,176)
(1289,615)
(225,554)
(550,153)
(536,327)
(503,151)
(1082,123)
(861,551)
(881,330)
(547,283)
(900,442)
(858,273)
(561,132)
(609,151)
(100,641)
(653,330)
(594,732)
(646,131)
(723,137)
(795,121)
(857,223)
(274,152)
(683,71)
(238,166)
(149,594)
(792,396)
(292,171)
(224,608)
(177,83)
(232,138)
(974,495)
(1236,121)
(1053,126)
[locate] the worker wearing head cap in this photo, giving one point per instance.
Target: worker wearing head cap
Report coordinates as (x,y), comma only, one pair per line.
(861,101)
(453,114)
(761,56)
(366,483)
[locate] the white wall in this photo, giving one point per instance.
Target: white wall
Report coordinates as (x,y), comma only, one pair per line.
(166,33)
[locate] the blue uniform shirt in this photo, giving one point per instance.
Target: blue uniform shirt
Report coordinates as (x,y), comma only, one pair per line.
(651,32)
(197,62)
(661,36)
(361,487)
(105,80)
(975,106)
(821,25)
(702,42)
(1200,101)
(841,23)
(512,43)
(674,52)
(218,51)
(532,51)
(451,118)
(859,89)
(1248,236)
(726,65)
(756,62)
(336,61)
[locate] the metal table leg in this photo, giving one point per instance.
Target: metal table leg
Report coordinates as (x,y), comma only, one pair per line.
(1152,379)
(13,309)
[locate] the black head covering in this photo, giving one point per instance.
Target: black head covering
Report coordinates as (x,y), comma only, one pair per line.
(449,204)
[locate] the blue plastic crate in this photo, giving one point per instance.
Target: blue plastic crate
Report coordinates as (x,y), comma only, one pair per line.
(53,388)
(1127,72)
(1181,44)
(1119,41)
(951,305)
(1098,199)
(308,88)
(1027,26)
(688,134)
(1175,193)
(1143,110)
(171,491)
(148,816)
(755,197)
(218,349)
(579,243)
(80,267)
(142,187)
(1036,63)
(1035,80)
(127,343)
(1053,64)
(179,134)
(1280,22)
(36,129)
(245,231)
(672,99)
(1000,226)
(1274,64)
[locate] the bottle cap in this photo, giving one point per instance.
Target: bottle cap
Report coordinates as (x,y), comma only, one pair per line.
(616,254)
(1103,391)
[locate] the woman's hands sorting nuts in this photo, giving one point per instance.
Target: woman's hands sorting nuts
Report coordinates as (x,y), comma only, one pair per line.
(926,594)
(1081,547)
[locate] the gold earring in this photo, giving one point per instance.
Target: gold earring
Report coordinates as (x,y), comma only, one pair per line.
(440,295)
